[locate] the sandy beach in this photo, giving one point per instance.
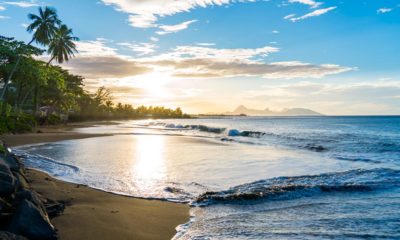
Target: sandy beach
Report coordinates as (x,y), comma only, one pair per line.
(51,134)
(95,214)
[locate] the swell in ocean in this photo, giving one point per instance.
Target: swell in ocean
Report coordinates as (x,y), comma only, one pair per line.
(287,188)
(343,141)
(279,188)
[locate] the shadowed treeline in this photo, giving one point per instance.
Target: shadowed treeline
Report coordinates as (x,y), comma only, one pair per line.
(100,106)
(34,91)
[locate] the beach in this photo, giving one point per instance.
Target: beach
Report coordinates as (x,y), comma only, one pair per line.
(95,214)
(239,178)
(52,134)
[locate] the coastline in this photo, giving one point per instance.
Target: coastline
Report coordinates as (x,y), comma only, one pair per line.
(52,134)
(95,214)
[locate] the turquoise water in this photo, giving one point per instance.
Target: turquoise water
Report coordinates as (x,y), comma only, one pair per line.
(247,178)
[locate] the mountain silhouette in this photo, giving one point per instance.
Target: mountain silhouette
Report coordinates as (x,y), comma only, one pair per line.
(267,112)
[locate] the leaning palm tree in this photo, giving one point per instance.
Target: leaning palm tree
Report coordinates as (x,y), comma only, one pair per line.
(62,46)
(43,26)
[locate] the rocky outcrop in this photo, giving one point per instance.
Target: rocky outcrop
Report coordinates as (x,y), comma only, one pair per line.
(10,236)
(8,182)
(24,214)
(29,220)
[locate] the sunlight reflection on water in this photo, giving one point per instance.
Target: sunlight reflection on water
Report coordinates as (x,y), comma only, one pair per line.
(149,166)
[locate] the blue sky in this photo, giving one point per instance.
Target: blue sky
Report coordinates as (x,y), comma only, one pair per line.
(336,57)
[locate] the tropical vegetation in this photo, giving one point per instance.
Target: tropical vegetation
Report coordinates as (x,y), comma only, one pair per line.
(36,92)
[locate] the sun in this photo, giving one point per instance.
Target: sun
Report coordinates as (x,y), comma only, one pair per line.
(153,82)
(152,85)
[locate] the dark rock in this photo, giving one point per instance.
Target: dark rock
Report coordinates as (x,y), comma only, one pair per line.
(10,236)
(55,209)
(316,148)
(8,183)
(11,161)
(173,190)
(251,134)
(21,180)
(6,210)
(32,223)
(31,197)
(4,205)
(224,139)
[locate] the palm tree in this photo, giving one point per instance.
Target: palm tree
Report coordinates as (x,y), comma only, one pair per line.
(62,46)
(44,27)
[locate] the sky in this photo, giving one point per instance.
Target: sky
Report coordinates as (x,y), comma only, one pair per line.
(210,56)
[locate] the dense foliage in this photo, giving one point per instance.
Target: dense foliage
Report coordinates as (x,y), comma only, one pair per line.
(35,91)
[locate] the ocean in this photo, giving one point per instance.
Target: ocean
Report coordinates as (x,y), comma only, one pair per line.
(247,177)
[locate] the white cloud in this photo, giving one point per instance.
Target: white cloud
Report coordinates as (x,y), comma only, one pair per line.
(275,31)
(95,48)
(4,17)
(206,62)
(2,8)
(384,10)
(174,28)
(227,54)
(140,48)
(96,60)
(23,4)
(143,21)
(311,3)
(145,13)
(154,39)
(205,44)
(315,13)
(289,16)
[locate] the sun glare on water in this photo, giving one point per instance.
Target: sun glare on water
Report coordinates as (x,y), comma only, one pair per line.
(149,167)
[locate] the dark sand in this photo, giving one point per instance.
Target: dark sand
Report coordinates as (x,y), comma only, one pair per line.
(93,214)
(51,134)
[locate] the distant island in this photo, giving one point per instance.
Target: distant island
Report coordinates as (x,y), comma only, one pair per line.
(242,110)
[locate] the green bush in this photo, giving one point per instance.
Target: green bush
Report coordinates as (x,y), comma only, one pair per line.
(28,119)
(53,119)
(2,149)
(3,126)
(15,122)
(21,127)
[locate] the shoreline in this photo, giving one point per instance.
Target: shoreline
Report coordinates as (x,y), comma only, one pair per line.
(52,134)
(95,214)
(92,213)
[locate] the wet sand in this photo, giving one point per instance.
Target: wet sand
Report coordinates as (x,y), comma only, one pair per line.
(51,134)
(95,214)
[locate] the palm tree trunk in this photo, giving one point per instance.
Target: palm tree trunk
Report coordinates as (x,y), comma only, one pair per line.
(36,99)
(19,95)
(9,78)
(48,63)
(26,96)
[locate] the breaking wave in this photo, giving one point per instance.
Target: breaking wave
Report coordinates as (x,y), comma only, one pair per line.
(341,145)
(285,188)
(50,165)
